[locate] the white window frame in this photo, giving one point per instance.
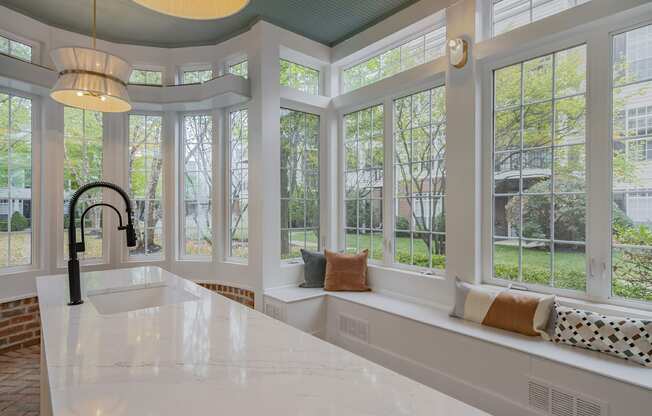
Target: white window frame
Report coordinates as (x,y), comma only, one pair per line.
(488,16)
(234,62)
(147,68)
(389,214)
(342,227)
(148,258)
(36,46)
(193,68)
(323,161)
(35,263)
(227,186)
(181,255)
(106,172)
(598,154)
(441,22)
(320,75)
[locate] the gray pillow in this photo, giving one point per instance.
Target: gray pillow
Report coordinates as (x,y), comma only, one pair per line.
(314,270)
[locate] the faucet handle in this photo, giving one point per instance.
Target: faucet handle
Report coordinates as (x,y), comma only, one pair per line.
(80,247)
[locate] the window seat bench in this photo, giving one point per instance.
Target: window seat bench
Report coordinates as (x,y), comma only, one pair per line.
(290,300)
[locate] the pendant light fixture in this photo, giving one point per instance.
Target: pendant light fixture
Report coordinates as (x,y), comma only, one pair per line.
(196,9)
(91,79)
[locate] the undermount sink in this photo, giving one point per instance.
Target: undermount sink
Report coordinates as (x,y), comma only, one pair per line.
(133,299)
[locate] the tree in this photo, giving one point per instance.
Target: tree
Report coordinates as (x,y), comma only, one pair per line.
(198,173)
(239,159)
(83,147)
(299,174)
(145,167)
(420,146)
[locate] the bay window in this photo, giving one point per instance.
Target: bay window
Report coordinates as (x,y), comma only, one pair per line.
(240,69)
(83,163)
(364,157)
(299,77)
(299,183)
(15,181)
(510,14)
(632,172)
(198,76)
(539,178)
(146,183)
(197,186)
(16,49)
(238,155)
(420,179)
(146,77)
(416,51)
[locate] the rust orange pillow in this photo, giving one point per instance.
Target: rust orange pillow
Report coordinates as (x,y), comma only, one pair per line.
(346,272)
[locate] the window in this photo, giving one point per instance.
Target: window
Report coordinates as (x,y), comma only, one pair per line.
(299,183)
(241,69)
(639,150)
(424,48)
(539,180)
(239,184)
(82,142)
(145,77)
(146,183)
(509,14)
(364,174)
(299,77)
(197,186)
(16,49)
(15,181)
(632,176)
(197,77)
(420,179)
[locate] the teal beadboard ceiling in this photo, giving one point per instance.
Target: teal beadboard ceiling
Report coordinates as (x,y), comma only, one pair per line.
(326,21)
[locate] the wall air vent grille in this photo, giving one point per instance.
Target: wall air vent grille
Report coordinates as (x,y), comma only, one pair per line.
(275,311)
(588,408)
(354,328)
(553,401)
(561,404)
(539,396)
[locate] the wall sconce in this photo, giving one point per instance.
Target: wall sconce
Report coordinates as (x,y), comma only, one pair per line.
(458,52)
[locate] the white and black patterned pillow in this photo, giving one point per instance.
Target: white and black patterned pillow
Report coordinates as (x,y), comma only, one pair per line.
(626,338)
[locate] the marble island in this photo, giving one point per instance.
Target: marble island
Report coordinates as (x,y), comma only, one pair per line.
(146,342)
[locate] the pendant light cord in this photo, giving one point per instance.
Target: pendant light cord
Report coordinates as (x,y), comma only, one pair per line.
(94,21)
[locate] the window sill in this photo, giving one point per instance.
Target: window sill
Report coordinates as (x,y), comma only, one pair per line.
(236,261)
(410,271)
(11,271)
(292,263)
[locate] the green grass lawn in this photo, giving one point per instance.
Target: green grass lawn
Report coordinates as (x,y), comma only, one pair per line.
(569,265)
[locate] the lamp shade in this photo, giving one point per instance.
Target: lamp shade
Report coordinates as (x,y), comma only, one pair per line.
(91,79)
(196,9)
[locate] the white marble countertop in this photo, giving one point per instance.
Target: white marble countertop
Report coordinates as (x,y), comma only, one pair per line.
(207,356)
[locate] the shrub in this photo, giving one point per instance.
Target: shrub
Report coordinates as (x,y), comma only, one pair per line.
(421,259)
(19,222)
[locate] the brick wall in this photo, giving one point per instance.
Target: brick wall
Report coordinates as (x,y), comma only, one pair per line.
(244,296)
(20,324)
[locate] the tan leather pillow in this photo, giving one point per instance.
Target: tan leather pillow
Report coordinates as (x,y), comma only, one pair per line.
(505,309)
(345,272)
